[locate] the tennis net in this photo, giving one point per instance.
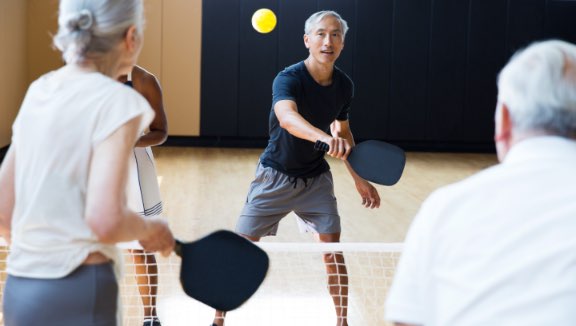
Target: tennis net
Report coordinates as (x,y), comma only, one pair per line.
(294,292)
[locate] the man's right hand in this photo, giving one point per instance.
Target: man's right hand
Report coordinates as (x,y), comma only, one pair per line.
(339,147)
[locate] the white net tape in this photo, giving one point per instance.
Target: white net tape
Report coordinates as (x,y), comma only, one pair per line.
(294,292)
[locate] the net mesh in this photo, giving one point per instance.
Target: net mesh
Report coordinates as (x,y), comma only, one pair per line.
(295,291)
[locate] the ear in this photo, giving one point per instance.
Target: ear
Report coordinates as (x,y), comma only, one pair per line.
(306,40)
(132,39)
(503,131)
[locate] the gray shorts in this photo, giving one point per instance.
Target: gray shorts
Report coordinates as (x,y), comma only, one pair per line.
(273,195)
(87,297)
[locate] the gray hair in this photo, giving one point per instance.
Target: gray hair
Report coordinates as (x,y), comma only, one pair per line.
(90,28)
(317,17)
(538,86)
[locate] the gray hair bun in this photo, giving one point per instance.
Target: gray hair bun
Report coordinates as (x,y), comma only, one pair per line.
(92,28)
(81,21)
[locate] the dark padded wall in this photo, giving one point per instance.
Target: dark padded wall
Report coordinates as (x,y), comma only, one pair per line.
(219,75)
(258,61)
(486,55)
(409,92)
(373,56)
(424,70)
(446,70)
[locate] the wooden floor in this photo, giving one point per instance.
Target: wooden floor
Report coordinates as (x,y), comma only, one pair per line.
(204,189)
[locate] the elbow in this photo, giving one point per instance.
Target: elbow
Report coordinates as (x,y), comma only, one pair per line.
(163,137)
(285,124)
(104,226)
(156,137)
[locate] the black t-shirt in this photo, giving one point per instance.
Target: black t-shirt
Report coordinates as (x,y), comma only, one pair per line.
(319,105)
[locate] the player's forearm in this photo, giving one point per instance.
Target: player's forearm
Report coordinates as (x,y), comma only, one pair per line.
(337,131)
(131,227)
(297,126)
(354,175)
(121,226)
(342,130)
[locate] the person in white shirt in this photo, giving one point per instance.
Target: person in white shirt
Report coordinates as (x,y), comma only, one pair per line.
(499,248)
(63,181)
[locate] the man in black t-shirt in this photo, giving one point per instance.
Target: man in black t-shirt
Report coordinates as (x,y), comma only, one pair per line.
(311,102)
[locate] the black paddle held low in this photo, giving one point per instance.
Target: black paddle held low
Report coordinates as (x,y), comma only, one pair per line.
(374,160)
(221,270)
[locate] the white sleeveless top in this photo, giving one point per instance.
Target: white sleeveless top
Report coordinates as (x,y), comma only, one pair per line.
(64,115)
(143,193)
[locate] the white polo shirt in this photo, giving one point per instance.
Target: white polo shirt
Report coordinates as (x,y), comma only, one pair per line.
(498,248)
(64,115)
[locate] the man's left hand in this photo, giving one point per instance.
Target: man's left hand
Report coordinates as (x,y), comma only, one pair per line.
(369,194)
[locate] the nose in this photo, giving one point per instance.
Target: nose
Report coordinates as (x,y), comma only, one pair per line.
(327,40)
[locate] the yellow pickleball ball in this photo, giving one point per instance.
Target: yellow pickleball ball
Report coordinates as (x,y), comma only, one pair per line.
(264,20)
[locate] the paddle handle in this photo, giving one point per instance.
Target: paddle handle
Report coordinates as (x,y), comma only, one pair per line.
(321,146)
(178,247)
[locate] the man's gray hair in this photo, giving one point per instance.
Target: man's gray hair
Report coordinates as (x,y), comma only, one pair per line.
(538,86)
(317,17)
(94,27)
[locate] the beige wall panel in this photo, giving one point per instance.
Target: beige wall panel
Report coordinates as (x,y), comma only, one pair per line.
(151,55)
(42,25)
(171,51)
(13,81)
(181,44)
(43,22)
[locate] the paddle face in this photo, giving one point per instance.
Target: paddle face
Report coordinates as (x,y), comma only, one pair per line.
(375,161)
(221,270)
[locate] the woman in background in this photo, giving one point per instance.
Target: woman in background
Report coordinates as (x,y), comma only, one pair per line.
(143,189)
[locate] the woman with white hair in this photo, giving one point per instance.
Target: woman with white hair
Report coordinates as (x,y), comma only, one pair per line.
(63,181)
